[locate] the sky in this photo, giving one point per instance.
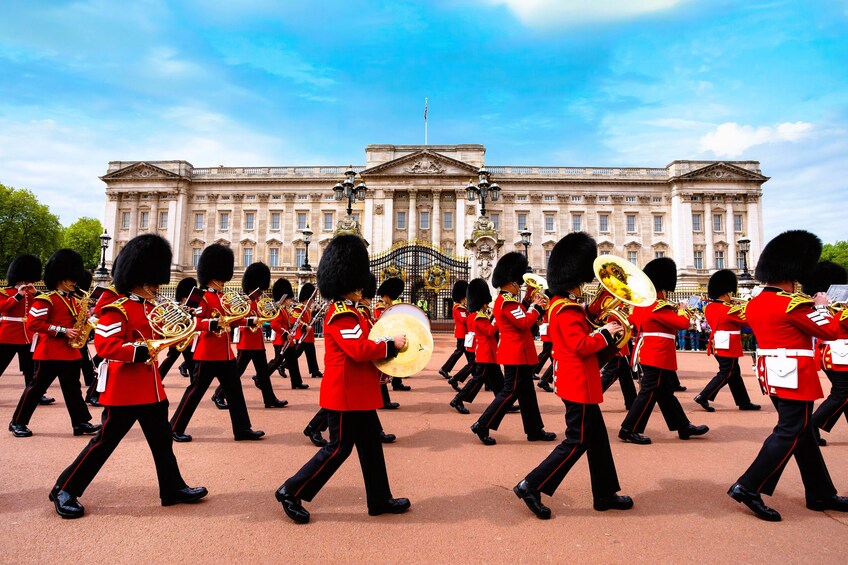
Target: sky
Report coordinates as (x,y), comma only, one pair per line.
(613,83)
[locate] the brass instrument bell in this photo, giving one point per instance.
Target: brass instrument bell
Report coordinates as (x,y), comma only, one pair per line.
(622,284)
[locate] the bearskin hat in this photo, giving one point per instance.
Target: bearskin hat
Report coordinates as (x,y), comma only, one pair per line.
(84,283)
(824,274)
(26,268)
(216,264)
(65,264)
(790,256)
(391,287)
(510,268)
(145,259)
(370,290)
(460,288)
(256,275)
(305,292)
(663,273)
(570,264)
(184,288)
(343,267)
(721,282)
(478,294)
(282,290)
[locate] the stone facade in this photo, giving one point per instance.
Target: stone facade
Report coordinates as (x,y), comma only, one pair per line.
(692,211)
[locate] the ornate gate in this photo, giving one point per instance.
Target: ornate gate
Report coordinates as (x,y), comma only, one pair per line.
(428,275)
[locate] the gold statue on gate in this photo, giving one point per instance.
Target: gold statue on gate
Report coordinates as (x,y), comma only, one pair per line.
(436,278)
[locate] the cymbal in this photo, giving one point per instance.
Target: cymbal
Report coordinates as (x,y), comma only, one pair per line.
(408,309)
(419,343)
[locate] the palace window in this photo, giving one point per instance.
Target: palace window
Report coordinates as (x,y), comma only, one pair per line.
(696,222)
(658,224)
(299,256)
(163,220)
(718,222)
(659,254)
(547,257)
(424,220)
(631,223)
(521,198)
(303,197)
(447,220)
(603,198)
(576,222)
(200,197)
(400,220)
(275,221)
(496,220)
(274,257)
(737,223)
(198,220)
(143,220)
(195,256)
(656,199)
(247,256)
(740,261)
(448,250)
(522,221)
(250,197)
(249,220)
(549,198)
(603,223)
(301,220)
(328,221)
(699,259)
(719,259)
(125,220)
(576,198)
(630,199)
(633,257)
(224,221)
(549,222)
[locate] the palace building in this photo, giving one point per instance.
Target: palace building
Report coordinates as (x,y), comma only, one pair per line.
(692,211)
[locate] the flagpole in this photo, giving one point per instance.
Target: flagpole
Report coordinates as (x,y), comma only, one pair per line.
(425,121)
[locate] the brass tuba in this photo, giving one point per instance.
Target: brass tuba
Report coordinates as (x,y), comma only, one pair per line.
(174,323)
(236,306)
(622,285)
(82,323)
(535,284)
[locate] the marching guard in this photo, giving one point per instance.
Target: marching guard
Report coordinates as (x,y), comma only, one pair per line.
(53,321)
(389,291)
(131,387)
(350,388)
(283,294)
(186,368)
(460,330)
(577,382)
(726,321)
(785,324)
(212,351)
(307,341)
(291,355)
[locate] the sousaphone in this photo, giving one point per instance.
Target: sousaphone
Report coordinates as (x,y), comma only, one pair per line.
(411,322)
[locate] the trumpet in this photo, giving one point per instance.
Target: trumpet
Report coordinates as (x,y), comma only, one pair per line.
(236,307)
(174,323)
(622,285)
(535,284)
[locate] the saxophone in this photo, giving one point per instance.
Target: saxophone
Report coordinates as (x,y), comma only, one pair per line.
(83,324)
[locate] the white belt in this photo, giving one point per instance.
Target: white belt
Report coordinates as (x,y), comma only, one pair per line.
(658,334)
(836,342)
(785,353)
(12,319)
(728,332)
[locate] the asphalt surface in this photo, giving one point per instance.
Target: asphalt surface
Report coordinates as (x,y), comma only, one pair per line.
(463,509)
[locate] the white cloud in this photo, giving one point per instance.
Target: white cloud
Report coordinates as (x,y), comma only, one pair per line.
(732,140)
(550,13)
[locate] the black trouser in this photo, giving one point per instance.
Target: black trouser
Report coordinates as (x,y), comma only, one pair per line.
(291,356)
(117,421)
(655,388)
(397,383)
(89,374)
(225,371)
(618,369)
(308,349)
(584,432)
(282,368)
(347,429)
(45,373)
(454,357)
(319,421)
(548,377)
(22,350)
(384,391)
(518,386)
(792,436)
(547,349)
(836,403)
(484,373)
(728,374)
(188,361)
(171,358)
(467,369)
(263,376)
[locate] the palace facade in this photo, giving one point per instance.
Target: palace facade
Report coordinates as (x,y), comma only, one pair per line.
(692,211)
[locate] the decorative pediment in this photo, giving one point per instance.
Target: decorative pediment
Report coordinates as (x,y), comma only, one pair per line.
(549,243)
(271,240)
(196,242)
(658,244)
(633,244)
(223,241)
(721,171)
(247,241)
(421,163)
(605,241)
(142,171)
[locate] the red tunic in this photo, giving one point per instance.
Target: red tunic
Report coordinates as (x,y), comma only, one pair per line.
(212,345)
(351,381)
(108,296)
(122,326)
(577,376)
(485,338)
(460,318)
(13,309)
(782,320)
(53,314)
(830,351)
(296,314)
(544,327)
(657,326)
(379,309)
(730,318)
(280,326)
(250,339)
(516,346)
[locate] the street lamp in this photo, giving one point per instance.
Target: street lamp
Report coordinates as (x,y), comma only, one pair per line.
(346,189)
(307,238)
(102,273)
(525,239)
(483,189)
(744,246)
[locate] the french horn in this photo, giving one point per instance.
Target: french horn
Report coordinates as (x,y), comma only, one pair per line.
(236,307)
(174,323)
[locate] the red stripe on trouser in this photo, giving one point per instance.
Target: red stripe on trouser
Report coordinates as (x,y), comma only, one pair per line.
(106,413)
(582,430)
(330,458)
(834,415)
(639,419)
(183,404)
(789,454)
(502,403)
(27,390)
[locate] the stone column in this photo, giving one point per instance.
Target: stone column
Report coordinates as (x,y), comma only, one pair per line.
(153,222)
(681,232)
(730,260)
(412,216)
(182,224)
(133,199)
(460,215)
(110,221)
(388,219)
(709,260)
(369,231)
(436,220)
(754,231)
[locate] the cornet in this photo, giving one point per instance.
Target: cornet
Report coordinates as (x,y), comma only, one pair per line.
(535,284)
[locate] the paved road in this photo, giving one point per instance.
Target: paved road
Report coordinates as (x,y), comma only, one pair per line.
(463,508)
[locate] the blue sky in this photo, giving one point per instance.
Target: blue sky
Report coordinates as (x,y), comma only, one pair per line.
(538,82)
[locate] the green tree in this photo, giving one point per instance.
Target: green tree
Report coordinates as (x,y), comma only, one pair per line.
(26,226)
(836,252)
(84,237)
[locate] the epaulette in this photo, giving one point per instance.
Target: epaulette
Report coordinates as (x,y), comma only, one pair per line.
(482,315)
(45,295)
(557,305)
(119,306)
(460,306)
(662,304)
(341,308)
(844,315)
(737,308)
(795,300)
(509,297)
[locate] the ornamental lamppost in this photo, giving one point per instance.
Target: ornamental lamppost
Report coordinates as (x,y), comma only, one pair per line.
(744,247)
(483,189)
(346,189)
(307,238)
(102,273)
(525,240)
